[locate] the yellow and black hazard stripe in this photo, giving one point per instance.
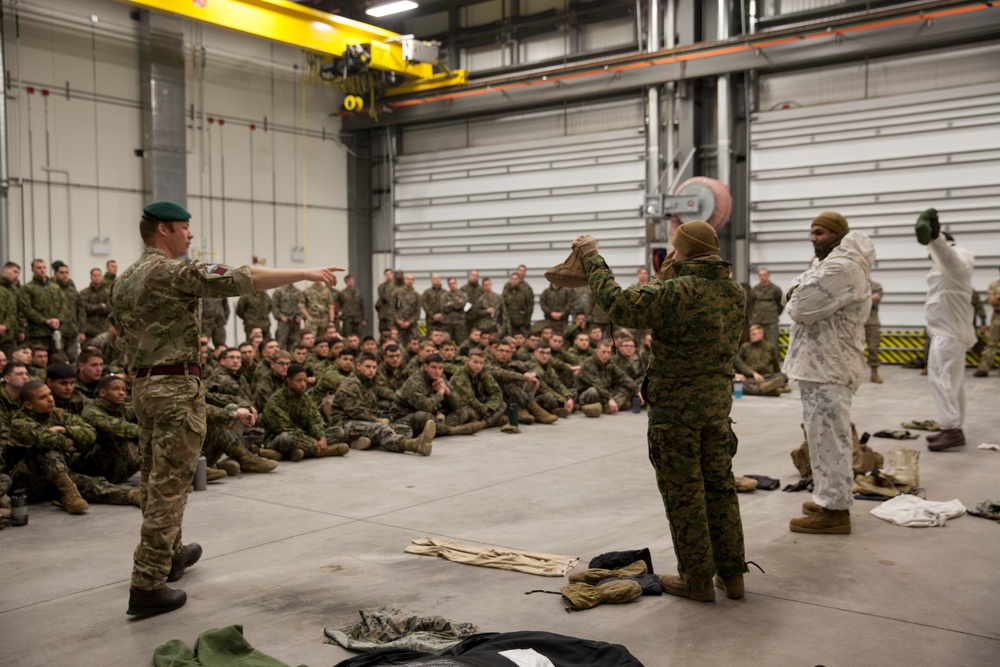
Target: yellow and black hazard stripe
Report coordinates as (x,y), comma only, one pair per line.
(898,346)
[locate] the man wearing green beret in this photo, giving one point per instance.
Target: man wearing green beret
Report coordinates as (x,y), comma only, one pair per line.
(695,314)
(157,311)
(829,304)
(948,311)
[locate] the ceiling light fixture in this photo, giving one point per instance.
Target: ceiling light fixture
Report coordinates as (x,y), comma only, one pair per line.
(379,11)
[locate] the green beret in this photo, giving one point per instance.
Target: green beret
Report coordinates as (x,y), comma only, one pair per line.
(165,211)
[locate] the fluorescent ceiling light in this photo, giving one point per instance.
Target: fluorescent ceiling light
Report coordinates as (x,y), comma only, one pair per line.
(391,8)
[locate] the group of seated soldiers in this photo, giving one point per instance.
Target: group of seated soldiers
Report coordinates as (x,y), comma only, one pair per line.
(68,433)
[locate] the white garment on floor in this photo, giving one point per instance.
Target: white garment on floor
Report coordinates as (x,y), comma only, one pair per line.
(989,445)
(826,412)
(912,511)
(527,657)
(946,374)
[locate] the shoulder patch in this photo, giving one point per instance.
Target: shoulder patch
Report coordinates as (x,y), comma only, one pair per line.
(216,269)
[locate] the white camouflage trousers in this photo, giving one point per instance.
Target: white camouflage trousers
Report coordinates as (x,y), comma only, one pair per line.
(946,373)
(826,412)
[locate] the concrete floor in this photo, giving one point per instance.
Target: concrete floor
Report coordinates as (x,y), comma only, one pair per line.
(306,547)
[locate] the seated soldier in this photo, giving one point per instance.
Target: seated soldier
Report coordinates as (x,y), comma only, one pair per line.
(390,376)
(369,345)
(262,369)
(427,395)
(89,371)
(274,379)
(115,455)
(45,444)
(333,375)
(61,379)
(480,391)
(472,341)
(317,358)
(604,387)
(411,350)
(452,363)
(354,415)
(15,376)
(39,362)
(524,352)
(596,334)
(22,353)
(578,325)
(628,359)
(426,348)
(580,350)
(248,362)
(437,336)
(300,355)
(759,366)
(554,396)
(519,384)
(293,423)
(353,343)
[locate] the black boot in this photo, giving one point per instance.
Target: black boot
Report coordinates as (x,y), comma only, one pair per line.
(150,603)
(185,558)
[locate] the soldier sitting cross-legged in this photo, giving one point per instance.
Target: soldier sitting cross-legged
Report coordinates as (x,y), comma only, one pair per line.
(293,423)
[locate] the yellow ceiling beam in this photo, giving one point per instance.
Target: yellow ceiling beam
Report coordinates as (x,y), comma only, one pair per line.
(291,23)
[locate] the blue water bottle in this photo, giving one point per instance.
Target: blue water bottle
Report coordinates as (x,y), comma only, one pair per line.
(737,389)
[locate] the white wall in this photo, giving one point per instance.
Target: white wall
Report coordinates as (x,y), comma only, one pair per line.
(295,193)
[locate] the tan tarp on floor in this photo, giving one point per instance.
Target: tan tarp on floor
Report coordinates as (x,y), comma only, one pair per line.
(529,562)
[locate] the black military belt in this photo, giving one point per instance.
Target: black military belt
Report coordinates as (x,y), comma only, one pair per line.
(178,369)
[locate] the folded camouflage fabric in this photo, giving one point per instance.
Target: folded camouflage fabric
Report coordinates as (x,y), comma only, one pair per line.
(391,627)
(896,434)
(925,425)
(988,509)
(568,274)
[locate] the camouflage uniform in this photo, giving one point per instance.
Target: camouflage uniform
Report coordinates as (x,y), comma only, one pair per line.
(226,387)
(287,301)
(75,404)
(42,455)
(157,310)
(292,421)
(111,351)
(552,393)
(518,305)
(406,308)
(387,381)
(633,366)
(873,334)
(351,311)
(510,378)
(766,309)
(40,300)
(762,357)
(255,311)
(10,315)
(696,319)
(557,300)
(97,306)
(72,320)
(416,402)
(329,381)
(432,301)
(264,385)
(599,383)
(453,318)
(115,456)
(354,413)
(482,319)
(989,354)
(384,305)
(317,300)
(473,291)
(214,318)
(481,393)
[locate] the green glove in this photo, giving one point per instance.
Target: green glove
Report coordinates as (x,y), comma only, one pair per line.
(928,227)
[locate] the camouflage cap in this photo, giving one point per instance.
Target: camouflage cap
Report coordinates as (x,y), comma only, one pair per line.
(165,211)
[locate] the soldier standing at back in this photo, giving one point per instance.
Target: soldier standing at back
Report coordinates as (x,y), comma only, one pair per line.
(472,291)
(557,303)
(432,301)
(992,332)
(453,306)
(10,317)
(74,315)
(873,334)
(97,305)
(287,309)
(214,318)
(351,309)
(486,309)
(518,304)
(319,303)
(111,273)
(766,298)
(383,305)
(255,311)
(406,308)
(157,306)
(696,320)
(41,303)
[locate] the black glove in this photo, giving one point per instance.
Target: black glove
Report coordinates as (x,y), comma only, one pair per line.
(928,226)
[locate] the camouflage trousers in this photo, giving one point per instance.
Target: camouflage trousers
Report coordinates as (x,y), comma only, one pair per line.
(216,331)
(287,335)
(290,440)
(622,397)
(416,420)
(382,435)
(348,327)
(873,337)
(220,438)
(752,388)
(6,484)
(37,470)
(826,412)
(550,402)
(171,411)
(495,419)
(517,392)
(115,460)
(694,472)
(946,375)
(989,354)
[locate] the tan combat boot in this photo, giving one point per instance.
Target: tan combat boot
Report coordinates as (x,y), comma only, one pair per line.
(212,474)
(825,522)
(593,410)
(270,454)
(732,585)
(809,507)
(71,502)
(540,414)
(467,429)
(674,585)
(135,497)
(422,443)
(362,443)
(773,386)
(562,413)
(297,454)
(338,449)
(525,417)
(875,378)
(248,462)
(230,465)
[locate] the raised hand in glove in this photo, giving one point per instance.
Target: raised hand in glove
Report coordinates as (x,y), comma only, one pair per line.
(585,245)
(928,227)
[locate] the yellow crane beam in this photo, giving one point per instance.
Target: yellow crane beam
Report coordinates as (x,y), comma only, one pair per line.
(291,23)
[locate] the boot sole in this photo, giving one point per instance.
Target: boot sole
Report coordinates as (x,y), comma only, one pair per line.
(833,530)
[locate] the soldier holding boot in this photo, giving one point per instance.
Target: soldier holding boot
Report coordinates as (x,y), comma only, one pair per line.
(427,395)
(695,315)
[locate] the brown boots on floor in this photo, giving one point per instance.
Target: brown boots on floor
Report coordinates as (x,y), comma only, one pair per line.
(674,585)
(71,501)
(540,414)
(946,439)
(819,520)
(422,443)
(241,460)
(875,378)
